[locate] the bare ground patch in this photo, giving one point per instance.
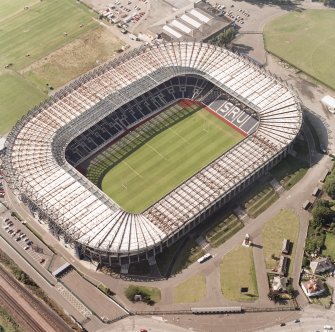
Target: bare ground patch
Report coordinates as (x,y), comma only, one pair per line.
(73,60)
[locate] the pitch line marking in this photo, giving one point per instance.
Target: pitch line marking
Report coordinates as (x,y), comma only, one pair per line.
(134,170)
(155,150)
(183,139)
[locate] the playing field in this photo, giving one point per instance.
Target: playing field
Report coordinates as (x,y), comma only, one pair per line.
(17,96)
(161,156)
(306,40)
(29,34)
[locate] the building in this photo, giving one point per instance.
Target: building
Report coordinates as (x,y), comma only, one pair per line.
(286,247)
(321,265)
(196,24)
(279,284)
(45,146)
(283,265)
(313,287)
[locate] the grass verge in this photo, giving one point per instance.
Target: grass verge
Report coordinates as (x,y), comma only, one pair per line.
(285,225)
(329,246)
(222,230)
(191,290)
(262,197)
(237,271)
(289,171)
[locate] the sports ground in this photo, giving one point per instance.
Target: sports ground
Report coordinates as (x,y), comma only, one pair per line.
(305,40)
(165,158)
(41,44)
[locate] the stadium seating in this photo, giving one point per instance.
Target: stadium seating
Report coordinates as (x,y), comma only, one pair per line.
(104,104)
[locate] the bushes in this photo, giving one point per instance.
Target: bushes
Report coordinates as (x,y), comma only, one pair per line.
(149,294)
(329,185)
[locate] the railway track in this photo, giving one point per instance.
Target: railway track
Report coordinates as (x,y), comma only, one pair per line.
(18,313)
(48,315)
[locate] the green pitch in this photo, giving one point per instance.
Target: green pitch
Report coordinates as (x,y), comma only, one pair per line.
(306,40)
(17,96)
(160,155)
(40,29)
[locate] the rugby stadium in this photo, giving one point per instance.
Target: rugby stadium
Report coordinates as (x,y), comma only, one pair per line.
(60,154)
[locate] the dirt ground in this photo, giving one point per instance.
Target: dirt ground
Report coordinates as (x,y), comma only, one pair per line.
(74,59)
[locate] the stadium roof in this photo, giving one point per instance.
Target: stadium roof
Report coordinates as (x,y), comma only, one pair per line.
(35,164)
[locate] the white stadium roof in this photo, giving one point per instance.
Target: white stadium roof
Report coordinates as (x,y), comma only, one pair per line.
(35,164)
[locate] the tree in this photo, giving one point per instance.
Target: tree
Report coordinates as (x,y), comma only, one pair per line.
(329,185)
(290,290)
(225,37)
(322,214)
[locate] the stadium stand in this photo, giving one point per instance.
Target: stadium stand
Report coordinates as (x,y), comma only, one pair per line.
(111,99)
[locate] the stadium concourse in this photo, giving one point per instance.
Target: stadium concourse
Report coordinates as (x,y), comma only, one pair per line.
(106,104)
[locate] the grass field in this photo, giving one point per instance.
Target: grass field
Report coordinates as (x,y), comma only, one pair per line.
(306,40)
(43,57)
(17,96)
(285,225)
(40,29)
(237,270)
(329,246)
(73,59)
(191,290)
(187,141)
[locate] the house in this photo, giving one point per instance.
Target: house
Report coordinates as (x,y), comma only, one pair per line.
(313,287)
(279,284)
(283,265)
(321,265)
(286,247)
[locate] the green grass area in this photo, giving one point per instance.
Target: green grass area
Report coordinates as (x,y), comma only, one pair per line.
(305,39)
(285,225)
(222,228)
(191,290)
(185,252)
(9,8)
(259,198)
(329,246)
(289,171)
(161,155)
(40,30)
(17,96)
(237,270)
(150,295)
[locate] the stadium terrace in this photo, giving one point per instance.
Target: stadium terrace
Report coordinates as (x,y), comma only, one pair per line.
(44,147)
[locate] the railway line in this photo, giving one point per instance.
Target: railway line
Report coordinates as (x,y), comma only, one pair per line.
(18,313)
(21,314)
